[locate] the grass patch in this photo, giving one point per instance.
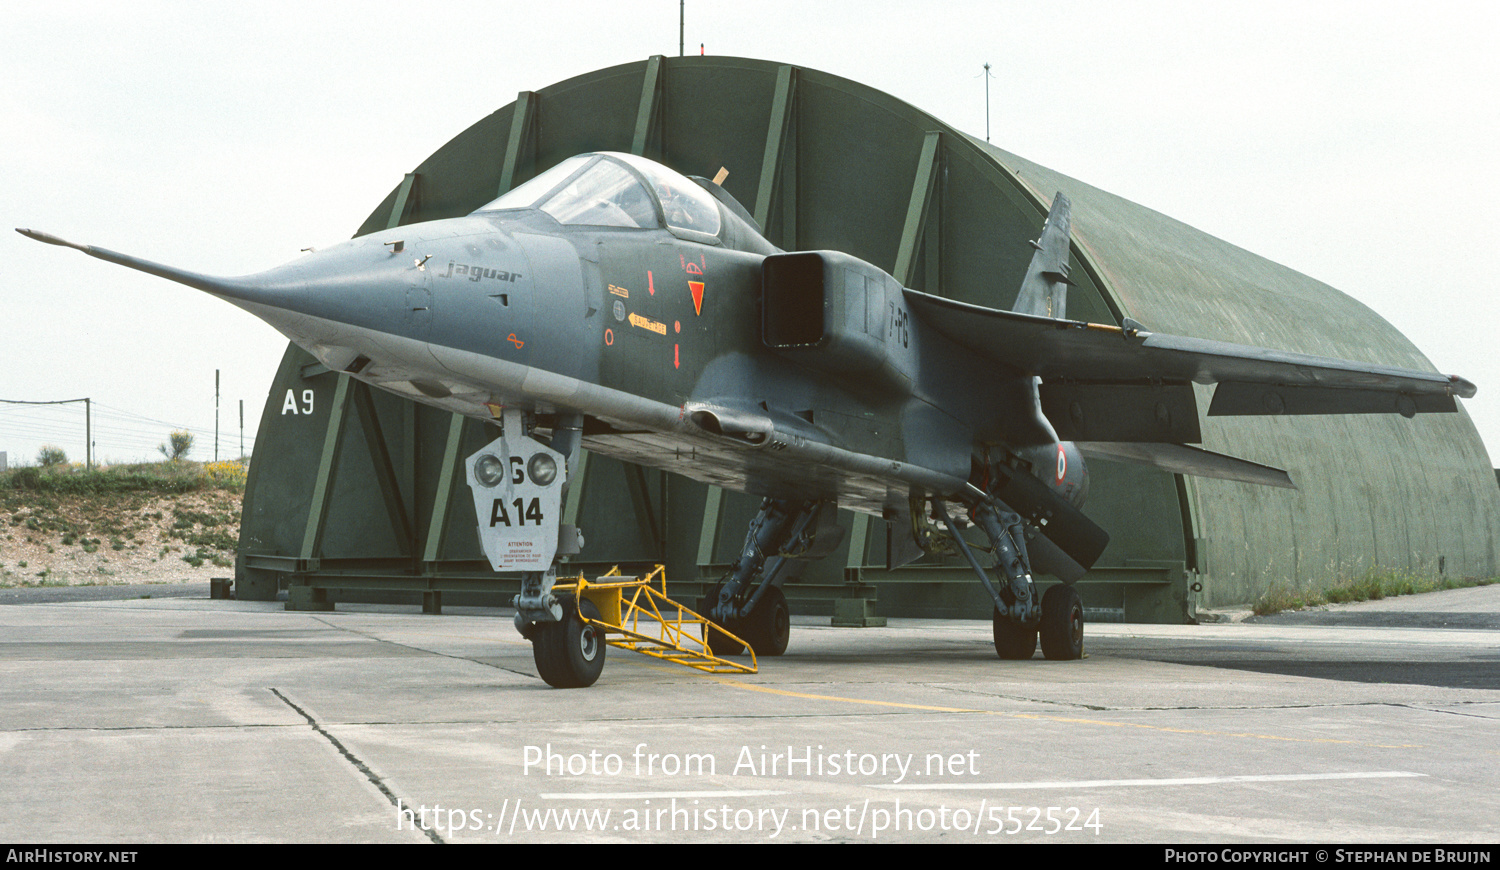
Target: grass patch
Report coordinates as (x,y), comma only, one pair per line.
(205,554)
(43,579)
(165,478)
(1373,586)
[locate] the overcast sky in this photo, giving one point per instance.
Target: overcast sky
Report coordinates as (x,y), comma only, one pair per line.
(1354,142)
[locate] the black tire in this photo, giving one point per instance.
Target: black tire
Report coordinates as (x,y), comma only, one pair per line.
(718,643)
(1013,640)
(769,627)
(570,654)
(1062,624)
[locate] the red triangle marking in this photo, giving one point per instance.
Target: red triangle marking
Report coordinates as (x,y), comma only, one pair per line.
(697,289)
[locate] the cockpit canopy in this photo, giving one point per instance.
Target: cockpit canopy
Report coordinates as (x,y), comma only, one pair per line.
(617,190)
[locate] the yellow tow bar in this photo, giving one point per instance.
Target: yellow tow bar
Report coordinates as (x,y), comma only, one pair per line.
(634,615)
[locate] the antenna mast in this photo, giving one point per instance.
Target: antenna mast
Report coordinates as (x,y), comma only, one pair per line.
(987,77)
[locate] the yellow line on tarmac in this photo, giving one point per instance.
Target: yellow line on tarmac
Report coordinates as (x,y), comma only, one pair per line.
(1073,720)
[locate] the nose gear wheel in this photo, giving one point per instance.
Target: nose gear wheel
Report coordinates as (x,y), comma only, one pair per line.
(570,654)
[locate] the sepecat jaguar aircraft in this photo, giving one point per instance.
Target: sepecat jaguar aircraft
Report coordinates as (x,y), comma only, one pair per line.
(614,304)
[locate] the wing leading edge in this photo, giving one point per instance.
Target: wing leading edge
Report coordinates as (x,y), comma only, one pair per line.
(1252,380)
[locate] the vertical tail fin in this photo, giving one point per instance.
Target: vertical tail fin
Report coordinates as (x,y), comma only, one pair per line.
(1044,292)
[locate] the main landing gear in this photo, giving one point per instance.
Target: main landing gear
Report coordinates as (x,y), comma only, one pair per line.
(749,602)
(767,628)
(1061,629)
(1019,618)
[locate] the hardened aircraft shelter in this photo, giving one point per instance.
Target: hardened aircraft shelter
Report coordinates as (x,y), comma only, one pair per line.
(354,492)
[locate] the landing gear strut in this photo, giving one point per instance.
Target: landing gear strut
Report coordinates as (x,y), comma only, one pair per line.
(749,602)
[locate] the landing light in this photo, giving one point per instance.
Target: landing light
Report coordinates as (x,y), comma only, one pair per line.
(542,469)
(489,469)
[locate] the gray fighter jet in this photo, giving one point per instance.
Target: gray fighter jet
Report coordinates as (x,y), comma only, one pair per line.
(615,304)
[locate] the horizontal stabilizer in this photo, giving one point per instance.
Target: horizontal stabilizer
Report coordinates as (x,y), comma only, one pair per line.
(1182,459)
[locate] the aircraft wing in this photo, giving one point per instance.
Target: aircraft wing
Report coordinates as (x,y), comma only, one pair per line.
(1252,380)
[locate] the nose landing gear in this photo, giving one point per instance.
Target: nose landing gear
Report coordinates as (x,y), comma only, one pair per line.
(570,654)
